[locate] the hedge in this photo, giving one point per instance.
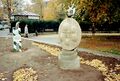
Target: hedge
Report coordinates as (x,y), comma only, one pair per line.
(38,25)
(41,26)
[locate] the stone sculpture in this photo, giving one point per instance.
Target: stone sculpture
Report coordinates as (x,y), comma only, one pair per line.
(17,38)
(71,11)
(70,36)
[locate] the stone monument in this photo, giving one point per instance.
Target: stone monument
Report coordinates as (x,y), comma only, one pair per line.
(70,36)
(17,38)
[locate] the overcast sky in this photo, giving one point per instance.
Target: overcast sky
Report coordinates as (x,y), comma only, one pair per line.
(1,5)
(28,2)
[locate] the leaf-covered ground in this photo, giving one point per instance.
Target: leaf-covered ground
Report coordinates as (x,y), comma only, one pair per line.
(110,67)
(41,60)
(110,44)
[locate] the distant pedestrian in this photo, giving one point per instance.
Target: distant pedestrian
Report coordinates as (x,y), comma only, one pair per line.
(36,32)
(26,31)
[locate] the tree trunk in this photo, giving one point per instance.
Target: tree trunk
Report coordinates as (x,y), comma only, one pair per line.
(9,12)
(93,29)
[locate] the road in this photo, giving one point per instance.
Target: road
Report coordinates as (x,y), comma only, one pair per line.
(4,33)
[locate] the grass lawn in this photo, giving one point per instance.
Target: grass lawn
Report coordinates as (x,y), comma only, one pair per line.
(109,44)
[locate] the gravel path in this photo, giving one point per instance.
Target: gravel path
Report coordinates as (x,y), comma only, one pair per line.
(45,64)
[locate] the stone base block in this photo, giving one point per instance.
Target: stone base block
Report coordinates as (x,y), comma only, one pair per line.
(68,60)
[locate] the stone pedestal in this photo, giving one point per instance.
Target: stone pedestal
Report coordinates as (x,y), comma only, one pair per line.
(69,60)
(70,36)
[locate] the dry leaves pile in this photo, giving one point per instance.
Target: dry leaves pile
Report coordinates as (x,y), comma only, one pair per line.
(110,75)
(2,77)
(50,49)
(25,74)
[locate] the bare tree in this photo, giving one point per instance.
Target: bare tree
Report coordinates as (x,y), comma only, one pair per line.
(9,9)
(18,5)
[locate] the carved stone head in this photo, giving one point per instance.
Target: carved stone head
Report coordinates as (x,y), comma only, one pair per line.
(17,25)
(71,11)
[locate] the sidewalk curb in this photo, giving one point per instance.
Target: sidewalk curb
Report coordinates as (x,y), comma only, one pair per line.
(100,53)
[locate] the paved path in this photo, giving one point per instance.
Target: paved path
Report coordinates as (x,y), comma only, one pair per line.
(4,33)
(102,34)
(50,39)
(54,40)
